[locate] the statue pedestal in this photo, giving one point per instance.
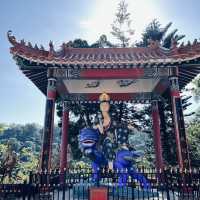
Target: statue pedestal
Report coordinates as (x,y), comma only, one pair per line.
(98,193)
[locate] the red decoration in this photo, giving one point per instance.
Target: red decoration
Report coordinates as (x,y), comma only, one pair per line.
(175,93)
(100,193)
(51,94)
(112,73)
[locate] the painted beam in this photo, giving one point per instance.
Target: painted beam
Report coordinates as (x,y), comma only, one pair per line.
(94,97)
(125,73)
(161,86)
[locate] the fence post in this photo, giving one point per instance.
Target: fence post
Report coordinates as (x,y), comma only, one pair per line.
(29,185)
(64,182)
(24,191)
(166,183)
(30,177)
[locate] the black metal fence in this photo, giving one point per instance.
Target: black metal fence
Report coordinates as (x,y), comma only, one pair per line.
(75,184)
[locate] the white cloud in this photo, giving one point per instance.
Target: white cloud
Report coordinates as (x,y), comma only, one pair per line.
(86,24)
(100,20)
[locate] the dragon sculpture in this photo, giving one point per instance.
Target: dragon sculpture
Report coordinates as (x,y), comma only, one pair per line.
(88,143)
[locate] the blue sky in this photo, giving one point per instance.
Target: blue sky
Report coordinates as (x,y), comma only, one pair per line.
(40,21)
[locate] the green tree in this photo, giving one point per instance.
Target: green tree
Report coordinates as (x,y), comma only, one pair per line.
(196,87)
(121,27)
(28,135)
(8,163)
(27,161)
(102,42)
(2,127)
(193,132)
(155,32)
(20,150)
(78,43)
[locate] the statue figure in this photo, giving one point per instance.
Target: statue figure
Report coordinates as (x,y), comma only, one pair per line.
(88,143)
(106,144)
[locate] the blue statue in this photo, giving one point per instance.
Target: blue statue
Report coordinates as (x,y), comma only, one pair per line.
(124,164)
(106,144)
(88,140)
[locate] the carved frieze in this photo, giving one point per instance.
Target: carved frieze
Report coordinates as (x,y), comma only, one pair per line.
(152,72)
(126,82)
(92,84)
(66,73)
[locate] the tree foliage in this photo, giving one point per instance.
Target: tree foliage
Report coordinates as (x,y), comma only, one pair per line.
(102,42)
(2,127)
(155,32)
(15,166)
(20,147)
(78,43)
(193,133)
(196,87)
(121,27)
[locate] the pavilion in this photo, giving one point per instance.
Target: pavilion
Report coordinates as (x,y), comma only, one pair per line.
(140,75)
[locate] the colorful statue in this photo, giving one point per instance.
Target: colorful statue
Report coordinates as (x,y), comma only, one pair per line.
(106,144)
(124,164)
(88,140)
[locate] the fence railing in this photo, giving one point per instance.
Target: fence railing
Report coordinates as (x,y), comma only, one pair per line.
(75,184)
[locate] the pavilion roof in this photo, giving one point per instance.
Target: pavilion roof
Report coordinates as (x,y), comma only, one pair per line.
(187,57)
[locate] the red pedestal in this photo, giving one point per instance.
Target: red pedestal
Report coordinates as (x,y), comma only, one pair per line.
(157,136)
(98,193)
(64,139)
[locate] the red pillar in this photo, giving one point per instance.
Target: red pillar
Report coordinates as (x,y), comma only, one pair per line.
(179,125)
(157,135)
(46,151)
(64,137)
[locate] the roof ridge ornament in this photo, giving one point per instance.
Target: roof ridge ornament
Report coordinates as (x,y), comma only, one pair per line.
(188,44)
(42,48)
(11,38)
(174,43)
(154,44)
(182,45)
(22,42)
(30,45)
(174,46)
(36,47)
(51,49)
(195,42)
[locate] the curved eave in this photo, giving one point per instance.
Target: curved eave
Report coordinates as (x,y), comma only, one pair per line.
(37,73)
(187,74)
(38,77)
(86,63)
(35,61)
(105,57)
